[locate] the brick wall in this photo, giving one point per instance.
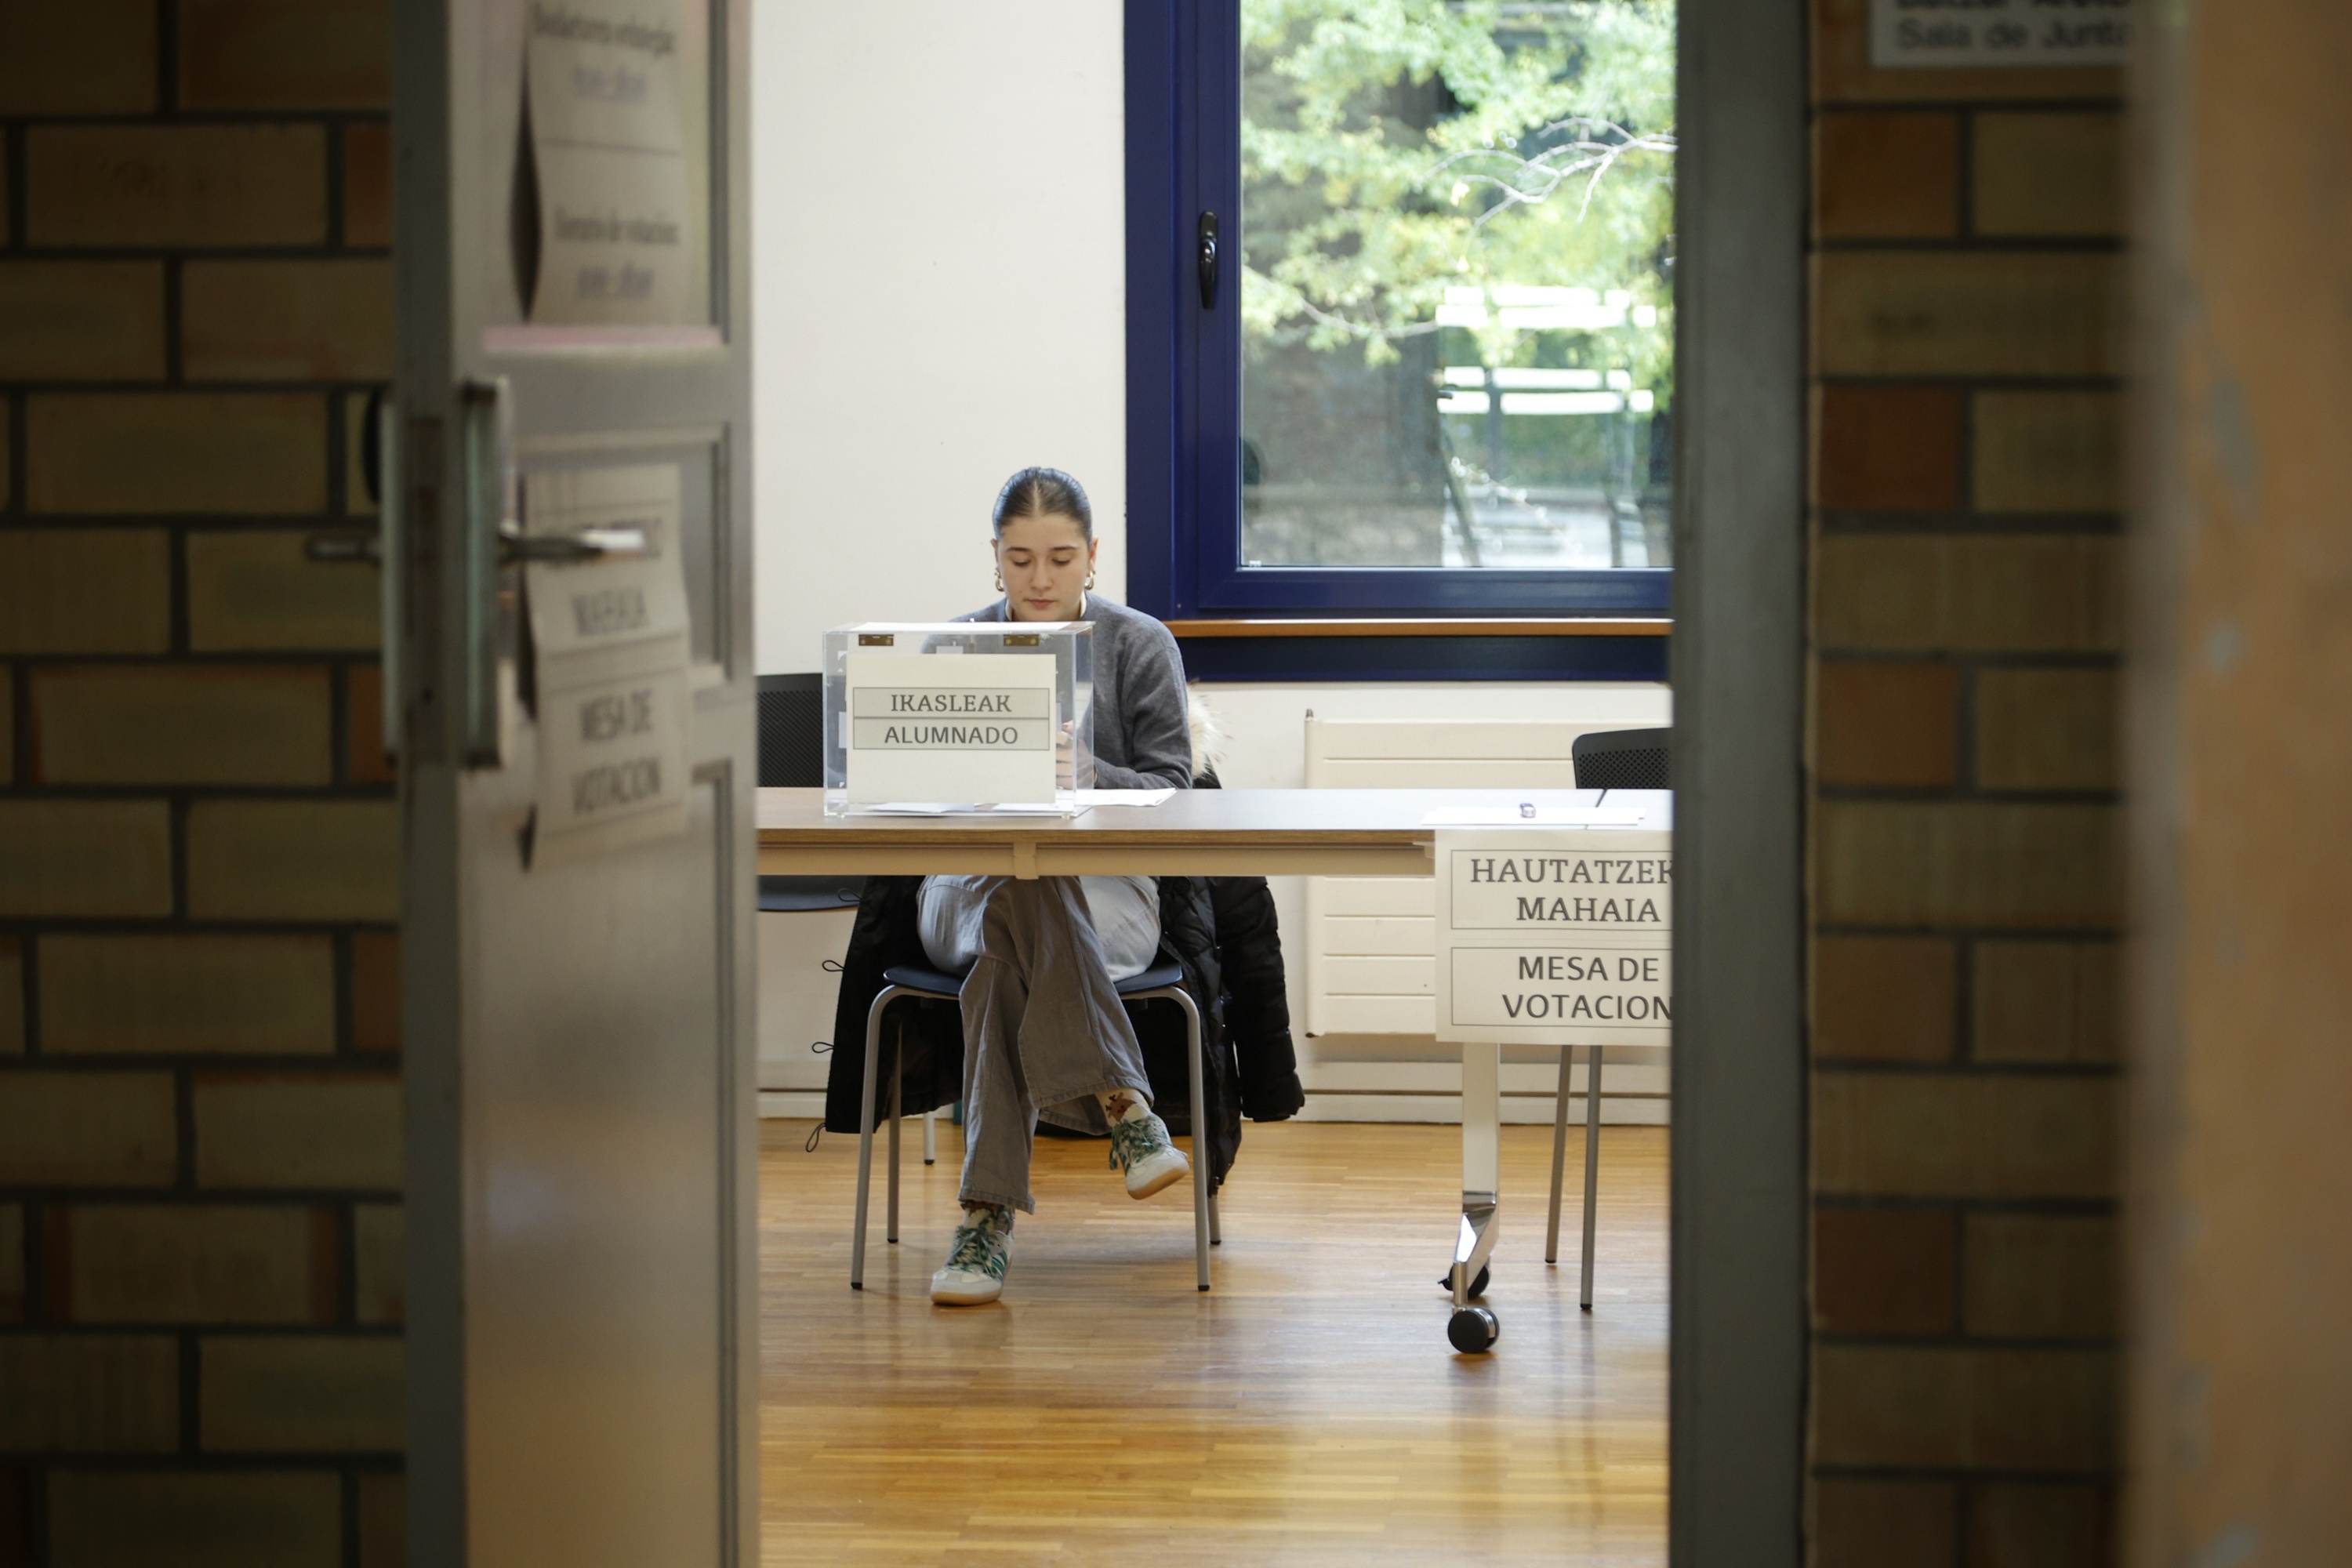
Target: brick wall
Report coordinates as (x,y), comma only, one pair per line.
(1966,863)
(200,1285)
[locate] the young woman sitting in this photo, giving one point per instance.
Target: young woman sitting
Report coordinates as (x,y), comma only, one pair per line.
(1044,1032)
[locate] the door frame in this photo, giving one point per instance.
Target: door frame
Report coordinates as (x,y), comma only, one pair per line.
(1738,1356)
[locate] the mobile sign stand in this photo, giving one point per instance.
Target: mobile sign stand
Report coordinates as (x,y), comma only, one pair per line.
(1546,937)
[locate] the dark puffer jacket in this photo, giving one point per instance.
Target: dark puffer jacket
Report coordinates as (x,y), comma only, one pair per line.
(1257,995)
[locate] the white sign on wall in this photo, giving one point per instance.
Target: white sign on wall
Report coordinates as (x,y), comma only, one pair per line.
(1555,936)
(949,727)
(1997,33)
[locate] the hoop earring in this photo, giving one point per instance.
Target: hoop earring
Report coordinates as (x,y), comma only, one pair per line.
(1090,580)
(999,582)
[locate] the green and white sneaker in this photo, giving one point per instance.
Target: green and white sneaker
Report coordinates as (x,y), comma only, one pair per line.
(974,1273)
(1139,1143)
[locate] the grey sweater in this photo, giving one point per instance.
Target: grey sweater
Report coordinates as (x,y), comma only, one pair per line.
(1141,739)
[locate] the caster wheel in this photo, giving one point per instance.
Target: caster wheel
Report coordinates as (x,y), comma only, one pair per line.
(1477,1286)
(1473,1330)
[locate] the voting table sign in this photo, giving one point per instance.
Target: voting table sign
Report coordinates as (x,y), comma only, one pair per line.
(988,715)
(610,654)
(1555,936)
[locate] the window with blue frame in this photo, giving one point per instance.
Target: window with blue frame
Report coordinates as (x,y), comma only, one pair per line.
(1400,306)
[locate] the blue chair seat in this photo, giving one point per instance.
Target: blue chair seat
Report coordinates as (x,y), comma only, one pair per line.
(800,895)
(917,977)
(1159,977)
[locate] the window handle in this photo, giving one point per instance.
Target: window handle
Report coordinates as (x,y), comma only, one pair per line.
(1208,260)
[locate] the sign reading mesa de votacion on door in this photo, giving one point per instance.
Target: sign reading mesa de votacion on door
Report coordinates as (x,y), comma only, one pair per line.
(611,640)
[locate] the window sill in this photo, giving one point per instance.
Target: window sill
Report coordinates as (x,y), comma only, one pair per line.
(1402,627)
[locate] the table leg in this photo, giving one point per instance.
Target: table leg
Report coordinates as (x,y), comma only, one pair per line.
(1592,1160)
(1474,1328)
(1559,1153)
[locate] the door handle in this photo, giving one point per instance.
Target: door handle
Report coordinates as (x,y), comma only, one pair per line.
(516,547)
(1207,258)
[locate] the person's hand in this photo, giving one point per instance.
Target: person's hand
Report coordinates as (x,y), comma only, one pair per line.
(1066,756)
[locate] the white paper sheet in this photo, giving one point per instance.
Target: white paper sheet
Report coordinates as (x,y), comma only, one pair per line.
(1124,797)
(1532,816)
(960,808)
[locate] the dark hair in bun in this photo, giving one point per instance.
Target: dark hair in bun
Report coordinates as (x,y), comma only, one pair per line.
(1042,492)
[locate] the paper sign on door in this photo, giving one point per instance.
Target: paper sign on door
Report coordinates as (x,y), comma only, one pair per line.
(618,231)
(613,704)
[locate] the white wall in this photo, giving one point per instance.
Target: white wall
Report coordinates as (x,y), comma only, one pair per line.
(1265,721)
(938,296)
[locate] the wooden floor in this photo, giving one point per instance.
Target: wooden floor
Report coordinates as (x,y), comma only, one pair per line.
(1308,1410)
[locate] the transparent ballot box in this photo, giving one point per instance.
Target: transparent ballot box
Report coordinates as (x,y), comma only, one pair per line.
(959,716)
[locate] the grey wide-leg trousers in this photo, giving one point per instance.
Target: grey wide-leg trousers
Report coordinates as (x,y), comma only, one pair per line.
(1043,1033)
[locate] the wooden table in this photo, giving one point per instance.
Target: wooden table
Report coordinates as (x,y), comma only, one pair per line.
(1198,833)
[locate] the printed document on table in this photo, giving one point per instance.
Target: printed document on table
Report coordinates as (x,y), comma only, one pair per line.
(962,808)
(1124,797)
(1532,816)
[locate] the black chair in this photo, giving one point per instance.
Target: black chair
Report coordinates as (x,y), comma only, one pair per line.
(1163,981)
(1605,759)
(792,756)
(1621,758)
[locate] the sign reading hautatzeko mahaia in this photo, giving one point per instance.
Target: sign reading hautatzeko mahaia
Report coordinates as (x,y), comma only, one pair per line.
(1555,936)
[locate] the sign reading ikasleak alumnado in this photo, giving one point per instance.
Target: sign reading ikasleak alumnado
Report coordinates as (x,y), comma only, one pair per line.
(1555,936)
(919,718)
(949,727)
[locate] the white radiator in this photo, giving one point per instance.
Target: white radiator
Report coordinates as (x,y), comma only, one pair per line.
(1372,1053)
